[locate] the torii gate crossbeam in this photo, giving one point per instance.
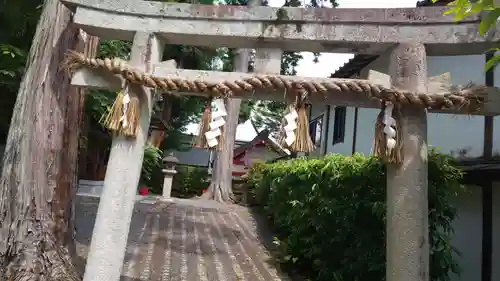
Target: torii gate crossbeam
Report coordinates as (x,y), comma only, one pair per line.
(368,31)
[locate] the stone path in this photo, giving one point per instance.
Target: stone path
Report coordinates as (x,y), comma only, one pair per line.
(185,241)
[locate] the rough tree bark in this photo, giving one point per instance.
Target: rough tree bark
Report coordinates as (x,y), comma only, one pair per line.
(39,165)
(157,136)
(220,188)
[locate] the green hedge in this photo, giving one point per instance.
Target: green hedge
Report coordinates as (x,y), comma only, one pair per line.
(329,214)
(189,181)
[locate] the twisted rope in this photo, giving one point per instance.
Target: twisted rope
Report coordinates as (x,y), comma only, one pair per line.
(469,98)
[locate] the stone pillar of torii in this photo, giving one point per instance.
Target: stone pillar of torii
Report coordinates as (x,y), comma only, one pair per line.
(151,24)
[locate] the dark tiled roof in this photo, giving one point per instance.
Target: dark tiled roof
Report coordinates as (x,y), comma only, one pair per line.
(353,66)
(428,3)
(262,136)
(479,164)
(157,123)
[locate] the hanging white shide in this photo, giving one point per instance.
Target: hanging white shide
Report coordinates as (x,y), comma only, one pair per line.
(390,127)
(291,119)
(218,114)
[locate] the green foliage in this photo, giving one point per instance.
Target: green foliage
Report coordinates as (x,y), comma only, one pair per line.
(18,20)
(189,182)
(329,214)
(152,162)
(464,8)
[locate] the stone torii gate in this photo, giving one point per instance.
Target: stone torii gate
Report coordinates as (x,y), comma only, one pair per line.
(372,31)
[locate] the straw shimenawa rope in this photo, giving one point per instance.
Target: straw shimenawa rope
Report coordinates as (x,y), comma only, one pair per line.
(469,99)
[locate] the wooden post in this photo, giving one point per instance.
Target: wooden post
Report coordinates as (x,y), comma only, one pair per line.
(109,239)
(407,205)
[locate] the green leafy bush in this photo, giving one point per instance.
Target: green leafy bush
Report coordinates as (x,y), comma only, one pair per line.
(329,214)
(189,182)
(152,162)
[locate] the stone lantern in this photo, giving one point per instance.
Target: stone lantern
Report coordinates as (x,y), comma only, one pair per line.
(169,162)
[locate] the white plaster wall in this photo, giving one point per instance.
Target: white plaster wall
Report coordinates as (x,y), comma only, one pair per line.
(344,148)
(446,132)
(317,110)
(468,233)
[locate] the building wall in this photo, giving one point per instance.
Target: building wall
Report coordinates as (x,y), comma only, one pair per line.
(194,156)
(468,233)
(259,154)
(447,133)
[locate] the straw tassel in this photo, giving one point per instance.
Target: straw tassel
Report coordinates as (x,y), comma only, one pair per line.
(123,117)
(303,143)
(200,140)
(297,137)
(388,143)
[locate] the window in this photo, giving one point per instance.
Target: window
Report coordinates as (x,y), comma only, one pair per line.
(339,124)
(316,130)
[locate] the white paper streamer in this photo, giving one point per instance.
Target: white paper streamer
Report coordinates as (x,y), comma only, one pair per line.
(212,142)
(290,127)
(291,116)
(217,123)
(389,130)
(219,109)
(212,134)
(290,139)
(218,113)
(126,101)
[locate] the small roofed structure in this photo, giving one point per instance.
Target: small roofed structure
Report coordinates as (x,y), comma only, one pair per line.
(261,149)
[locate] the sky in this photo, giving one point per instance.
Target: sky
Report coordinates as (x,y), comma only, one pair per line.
(328,62)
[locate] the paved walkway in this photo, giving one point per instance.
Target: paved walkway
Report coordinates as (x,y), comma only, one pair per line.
(185,240)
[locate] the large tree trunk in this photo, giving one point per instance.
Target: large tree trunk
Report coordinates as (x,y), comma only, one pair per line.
(157,136)
(220,188)
(39,165)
